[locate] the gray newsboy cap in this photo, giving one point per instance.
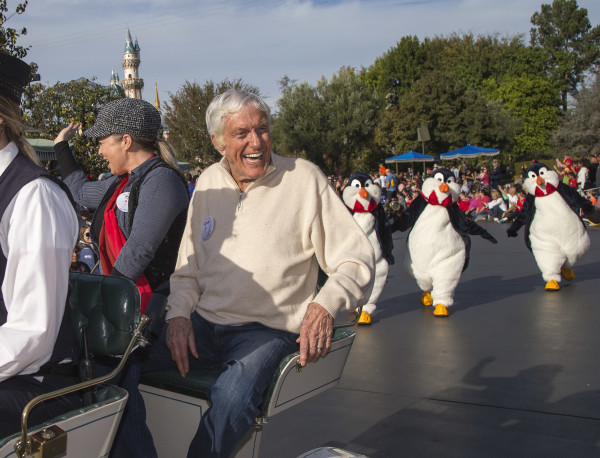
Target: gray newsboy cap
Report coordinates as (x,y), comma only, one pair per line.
(135,117)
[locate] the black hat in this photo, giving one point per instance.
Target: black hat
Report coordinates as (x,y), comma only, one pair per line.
(14,76)
(135,117)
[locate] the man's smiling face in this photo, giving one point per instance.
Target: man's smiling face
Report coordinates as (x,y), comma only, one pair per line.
(246,144)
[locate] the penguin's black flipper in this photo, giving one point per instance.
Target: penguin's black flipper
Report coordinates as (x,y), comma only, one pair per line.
(464,225)
(384,234)
(593,216)
(410,215)
(523,217)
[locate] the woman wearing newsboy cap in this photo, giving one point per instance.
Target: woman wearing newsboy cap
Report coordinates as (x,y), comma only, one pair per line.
(140,212)
(38,229)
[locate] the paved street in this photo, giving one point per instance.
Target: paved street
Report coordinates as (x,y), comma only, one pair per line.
(512,372)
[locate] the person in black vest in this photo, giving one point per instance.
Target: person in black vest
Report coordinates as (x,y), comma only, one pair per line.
(38,230)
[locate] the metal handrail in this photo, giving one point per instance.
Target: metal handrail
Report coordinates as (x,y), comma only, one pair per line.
(23,445)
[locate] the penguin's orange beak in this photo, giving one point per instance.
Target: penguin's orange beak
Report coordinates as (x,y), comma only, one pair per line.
(444,187)
(540,181)
(363,193)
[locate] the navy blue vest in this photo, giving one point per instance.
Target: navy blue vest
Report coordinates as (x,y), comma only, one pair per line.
(20,172)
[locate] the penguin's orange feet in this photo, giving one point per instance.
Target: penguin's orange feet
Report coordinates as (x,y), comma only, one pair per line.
(567,274)
(552,285)
(440,310)
(426,299)
(365,319)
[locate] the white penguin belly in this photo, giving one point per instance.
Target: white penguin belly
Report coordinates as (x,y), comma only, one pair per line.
(433,242)
(555,227)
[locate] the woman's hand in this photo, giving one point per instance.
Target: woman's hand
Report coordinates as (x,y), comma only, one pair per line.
(67,133)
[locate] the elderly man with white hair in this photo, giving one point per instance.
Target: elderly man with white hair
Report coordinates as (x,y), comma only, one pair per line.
(244,291)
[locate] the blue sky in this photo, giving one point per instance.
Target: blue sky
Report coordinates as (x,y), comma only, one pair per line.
(259,41)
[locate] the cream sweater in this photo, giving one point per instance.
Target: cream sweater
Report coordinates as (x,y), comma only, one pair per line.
(254,256)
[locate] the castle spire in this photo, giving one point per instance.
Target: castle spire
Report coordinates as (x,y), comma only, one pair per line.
(132,84)
(114,78)
(156,101)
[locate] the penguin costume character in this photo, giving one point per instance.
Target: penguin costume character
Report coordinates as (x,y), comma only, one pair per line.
(362,198)
(438,241)
(554,233)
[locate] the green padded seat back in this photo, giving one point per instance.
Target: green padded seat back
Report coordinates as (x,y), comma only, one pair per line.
(109,308)
(199,380)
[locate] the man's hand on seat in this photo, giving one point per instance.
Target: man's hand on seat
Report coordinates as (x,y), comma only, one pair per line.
(315,334)
(180,338)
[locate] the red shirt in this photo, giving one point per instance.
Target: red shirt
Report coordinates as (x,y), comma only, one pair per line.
(463,205)
(480,206)
(485,179)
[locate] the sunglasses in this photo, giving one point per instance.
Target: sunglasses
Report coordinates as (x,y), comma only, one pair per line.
(87,234)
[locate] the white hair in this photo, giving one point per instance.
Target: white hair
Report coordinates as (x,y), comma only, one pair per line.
(230,102)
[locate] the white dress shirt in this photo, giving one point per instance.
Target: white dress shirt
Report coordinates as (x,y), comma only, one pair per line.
(37,234)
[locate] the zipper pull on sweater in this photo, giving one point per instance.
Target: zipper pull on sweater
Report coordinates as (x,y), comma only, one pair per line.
(240,197)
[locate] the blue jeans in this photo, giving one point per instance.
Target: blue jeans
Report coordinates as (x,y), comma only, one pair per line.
(496,211)
(249,355)
(475,213)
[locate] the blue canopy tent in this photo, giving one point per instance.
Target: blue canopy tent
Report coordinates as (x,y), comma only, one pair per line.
(411,156)
(469,151)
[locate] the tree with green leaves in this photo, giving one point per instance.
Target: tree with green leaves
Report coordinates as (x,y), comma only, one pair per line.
(405,62)
(572,46)
(470,59)
(473,60)
(331,124)
(48,109)
(533,101)
(9,36)
(454,113)
(579,131)
(185,114)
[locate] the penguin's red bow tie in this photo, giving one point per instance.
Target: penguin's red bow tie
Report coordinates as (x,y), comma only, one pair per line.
(358,207)
(433,200)
(549,190)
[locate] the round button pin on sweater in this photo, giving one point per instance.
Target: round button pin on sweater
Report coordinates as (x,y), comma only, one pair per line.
(207,228)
